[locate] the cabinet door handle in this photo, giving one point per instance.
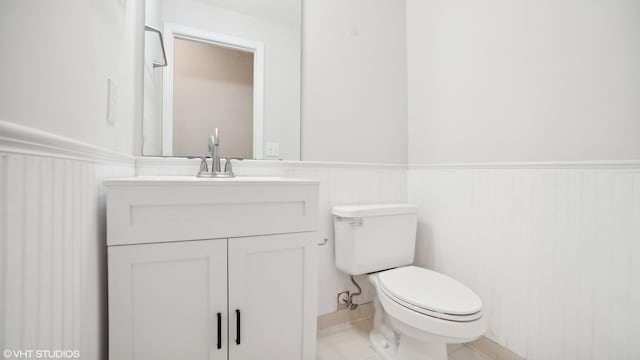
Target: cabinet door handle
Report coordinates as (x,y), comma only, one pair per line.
(237,326)
(219,330)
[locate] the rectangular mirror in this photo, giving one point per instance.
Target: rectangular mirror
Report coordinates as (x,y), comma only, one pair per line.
(227,64)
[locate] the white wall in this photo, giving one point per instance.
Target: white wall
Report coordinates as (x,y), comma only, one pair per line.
(54,67)
(55,63)
(499,80)
(282,61)
(354,81)
(553,252)
(53,283)
(551,248)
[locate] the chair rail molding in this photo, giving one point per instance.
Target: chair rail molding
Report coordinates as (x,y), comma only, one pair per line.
(19,139)
(539,165)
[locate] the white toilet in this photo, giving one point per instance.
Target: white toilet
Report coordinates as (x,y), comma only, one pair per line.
(417,311)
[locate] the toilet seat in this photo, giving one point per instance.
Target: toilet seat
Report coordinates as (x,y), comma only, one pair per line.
(430,293)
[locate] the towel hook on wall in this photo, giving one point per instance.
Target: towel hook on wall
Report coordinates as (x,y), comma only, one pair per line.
(164,54)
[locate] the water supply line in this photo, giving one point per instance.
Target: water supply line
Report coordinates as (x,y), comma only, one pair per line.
(349,301)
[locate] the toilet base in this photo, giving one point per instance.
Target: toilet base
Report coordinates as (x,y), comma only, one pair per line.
(412,349)
(407,348)
(393,346)
(382,337)
(387,350)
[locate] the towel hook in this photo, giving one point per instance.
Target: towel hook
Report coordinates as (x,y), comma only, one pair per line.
(164,54)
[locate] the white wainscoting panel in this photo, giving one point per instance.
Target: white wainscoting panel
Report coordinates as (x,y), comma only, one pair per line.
(340,183)
(553,253)
(53,252)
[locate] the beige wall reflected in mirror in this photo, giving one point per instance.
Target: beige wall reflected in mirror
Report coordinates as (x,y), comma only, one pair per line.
(232,64)
(212,88)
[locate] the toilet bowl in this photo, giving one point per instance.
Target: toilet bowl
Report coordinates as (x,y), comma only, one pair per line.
(419,311)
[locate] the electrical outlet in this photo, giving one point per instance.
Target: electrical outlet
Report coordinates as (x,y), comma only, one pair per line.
(343,299)
(273,149)
(112,104)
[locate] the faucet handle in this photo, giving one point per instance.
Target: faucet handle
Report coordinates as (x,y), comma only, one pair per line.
(227,165)
(203,162)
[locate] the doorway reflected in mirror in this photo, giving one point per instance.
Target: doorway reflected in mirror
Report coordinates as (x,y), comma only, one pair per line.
(212,88)
(232,64)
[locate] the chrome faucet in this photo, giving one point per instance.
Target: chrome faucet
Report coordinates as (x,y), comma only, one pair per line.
(214,143)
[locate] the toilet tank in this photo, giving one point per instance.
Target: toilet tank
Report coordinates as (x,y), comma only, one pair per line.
(371,238)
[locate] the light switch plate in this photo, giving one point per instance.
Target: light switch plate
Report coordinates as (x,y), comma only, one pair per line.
(112,105)
(273,149)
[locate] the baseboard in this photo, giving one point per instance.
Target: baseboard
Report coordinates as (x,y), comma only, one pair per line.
(345,316)
(494,350)
(365,311)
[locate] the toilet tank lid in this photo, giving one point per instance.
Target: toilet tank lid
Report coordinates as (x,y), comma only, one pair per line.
(350,211)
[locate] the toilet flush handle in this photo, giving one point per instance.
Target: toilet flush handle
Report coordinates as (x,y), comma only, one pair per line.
(350,221)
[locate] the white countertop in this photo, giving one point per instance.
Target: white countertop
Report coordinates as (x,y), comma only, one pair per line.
(196,181)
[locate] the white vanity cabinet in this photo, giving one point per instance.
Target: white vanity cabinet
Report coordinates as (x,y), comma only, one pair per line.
(272,285)
(189,294)
(164,300)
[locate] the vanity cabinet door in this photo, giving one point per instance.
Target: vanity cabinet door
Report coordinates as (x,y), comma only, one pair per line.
(272,297)
(164,301)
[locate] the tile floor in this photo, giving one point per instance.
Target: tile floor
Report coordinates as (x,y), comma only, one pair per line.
(351,342)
